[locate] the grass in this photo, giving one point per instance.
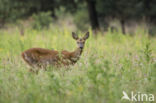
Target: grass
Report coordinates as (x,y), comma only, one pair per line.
(109,65)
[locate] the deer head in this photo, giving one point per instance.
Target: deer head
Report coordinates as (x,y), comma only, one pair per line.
(80,41)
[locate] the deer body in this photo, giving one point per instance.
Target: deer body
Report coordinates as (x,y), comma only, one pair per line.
(39,57)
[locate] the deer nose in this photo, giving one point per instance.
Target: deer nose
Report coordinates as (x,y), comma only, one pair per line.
(81,45)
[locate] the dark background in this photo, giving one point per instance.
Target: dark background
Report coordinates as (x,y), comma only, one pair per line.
(96,13)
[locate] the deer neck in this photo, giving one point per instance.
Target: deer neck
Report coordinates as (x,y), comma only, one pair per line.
(76,55)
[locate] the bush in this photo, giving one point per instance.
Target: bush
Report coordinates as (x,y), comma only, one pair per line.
(10,12)
(41,20)
(81,19)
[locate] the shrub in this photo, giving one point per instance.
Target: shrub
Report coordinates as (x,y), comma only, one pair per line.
(81,19)
(148,52)
(41,20)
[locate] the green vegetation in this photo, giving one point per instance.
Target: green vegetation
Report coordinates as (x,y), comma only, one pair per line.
(109,65)
(41,20)
(99,14)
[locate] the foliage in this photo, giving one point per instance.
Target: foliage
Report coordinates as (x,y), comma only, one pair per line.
(81,19)
(134,10)
(41,20)
(119,9)
(11,10)
(148,52)
(109,65)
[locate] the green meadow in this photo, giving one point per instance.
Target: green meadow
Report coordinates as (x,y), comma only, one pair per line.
(110,64)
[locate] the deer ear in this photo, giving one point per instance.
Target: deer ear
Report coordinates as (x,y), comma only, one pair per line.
(75,36)
(86,36)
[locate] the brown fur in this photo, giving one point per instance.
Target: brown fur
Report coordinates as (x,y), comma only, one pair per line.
(39,57)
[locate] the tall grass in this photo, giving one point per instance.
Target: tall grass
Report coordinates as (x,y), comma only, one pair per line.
(110,64)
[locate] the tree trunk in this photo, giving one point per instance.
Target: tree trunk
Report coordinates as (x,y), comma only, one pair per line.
(147,9)
(122,21)
(93,14)
(2,22)
(53,13)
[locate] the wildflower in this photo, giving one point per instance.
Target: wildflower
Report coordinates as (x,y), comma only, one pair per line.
(1,49)
(69,93)
(80,88)
(22,38)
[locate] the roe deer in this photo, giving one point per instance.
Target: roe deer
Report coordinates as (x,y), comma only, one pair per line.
(39,57)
